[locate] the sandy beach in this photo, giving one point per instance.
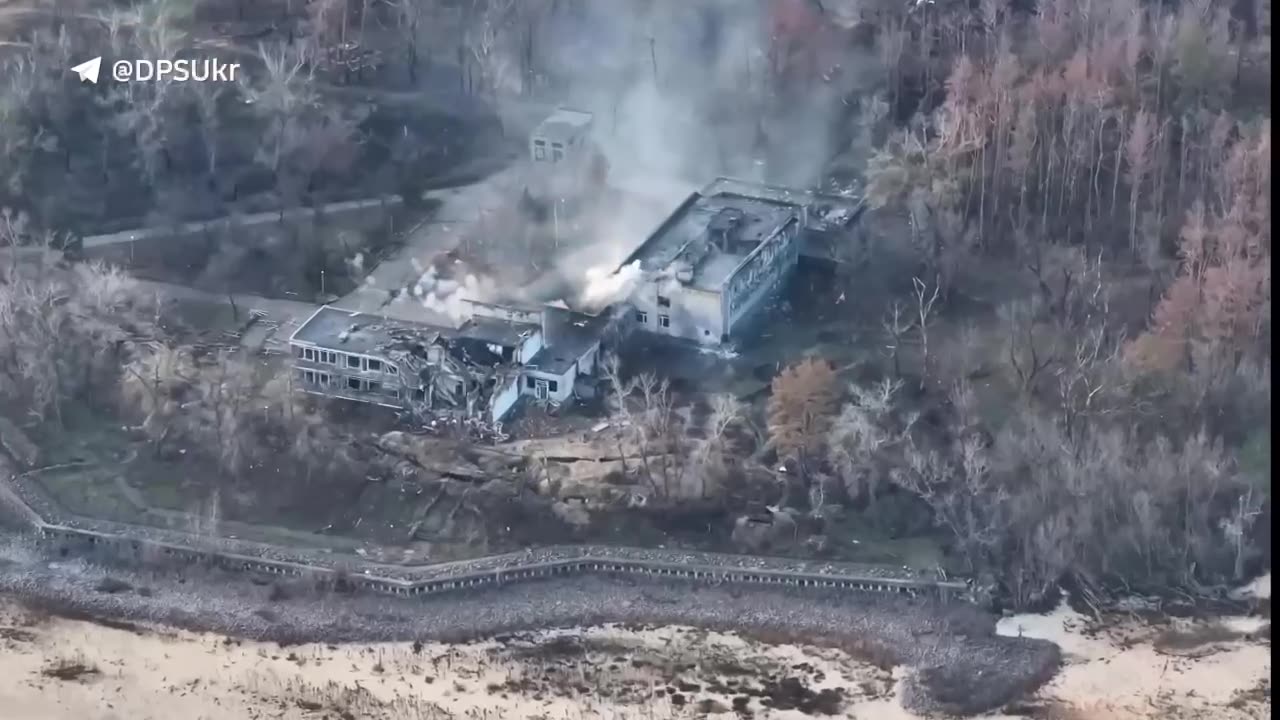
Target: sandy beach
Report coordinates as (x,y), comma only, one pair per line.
(60,668)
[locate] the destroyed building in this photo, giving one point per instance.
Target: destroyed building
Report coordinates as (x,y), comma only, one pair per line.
(699,276)
(723,251)
(479,370)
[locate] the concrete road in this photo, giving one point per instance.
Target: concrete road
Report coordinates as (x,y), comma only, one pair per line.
(271,332)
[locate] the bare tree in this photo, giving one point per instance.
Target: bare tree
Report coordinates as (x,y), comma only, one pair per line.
(860,437)
(924,313)
(282,99)
(62,333)
(896,325)
(709,454)
(154,384)
(1024,352)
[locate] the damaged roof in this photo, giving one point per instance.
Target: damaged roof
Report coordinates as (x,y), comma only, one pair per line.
(361,333)
(364,333)
(507,333)
(825,210)
(755,212)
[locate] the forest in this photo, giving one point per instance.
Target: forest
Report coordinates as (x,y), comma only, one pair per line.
(1071,380)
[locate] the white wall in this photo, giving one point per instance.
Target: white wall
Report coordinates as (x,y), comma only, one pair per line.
(504,398)
(564,383)
(530,347)
(695,314)
(504,312)
(587,363)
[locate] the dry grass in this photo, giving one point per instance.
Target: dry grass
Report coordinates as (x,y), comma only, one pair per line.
(71,669)
(342,701)
(1178,641)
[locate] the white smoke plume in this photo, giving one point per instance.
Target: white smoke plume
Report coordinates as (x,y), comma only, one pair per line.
(448,297)
(604,288)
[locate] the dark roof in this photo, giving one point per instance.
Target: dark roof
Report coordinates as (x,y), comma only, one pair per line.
(569,335)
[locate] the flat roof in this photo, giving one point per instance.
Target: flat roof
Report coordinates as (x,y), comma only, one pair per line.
(826,211)
(359,332)
(569,335)
(683,239)
(506,333)
(367,334)
(563,124)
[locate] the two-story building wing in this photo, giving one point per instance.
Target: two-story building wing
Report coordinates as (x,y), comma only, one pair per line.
(478,370)
(711,264)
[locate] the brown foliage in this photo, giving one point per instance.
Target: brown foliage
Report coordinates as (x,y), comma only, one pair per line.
(1073,122)
(804,402)
(1222,297)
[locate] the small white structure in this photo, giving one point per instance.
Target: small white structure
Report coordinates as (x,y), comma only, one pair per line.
(561,138)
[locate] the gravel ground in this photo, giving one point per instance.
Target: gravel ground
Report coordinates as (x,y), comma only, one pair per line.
(962,665)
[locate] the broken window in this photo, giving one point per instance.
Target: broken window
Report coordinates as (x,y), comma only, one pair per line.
(642,317)
(373,386)
(528,382)
(392,369)
(420,395)
(664,301)
(375,365)
(353,383)
(353,362)
(664,321)
(553,386)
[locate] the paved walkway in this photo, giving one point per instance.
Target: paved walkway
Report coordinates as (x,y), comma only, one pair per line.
(270,332)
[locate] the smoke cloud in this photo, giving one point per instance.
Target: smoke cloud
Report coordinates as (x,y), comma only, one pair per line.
(448,297)
(605,286)
(681,94)
(682,91)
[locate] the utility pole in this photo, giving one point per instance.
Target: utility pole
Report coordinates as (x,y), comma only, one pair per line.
(555,222)
(653,58)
